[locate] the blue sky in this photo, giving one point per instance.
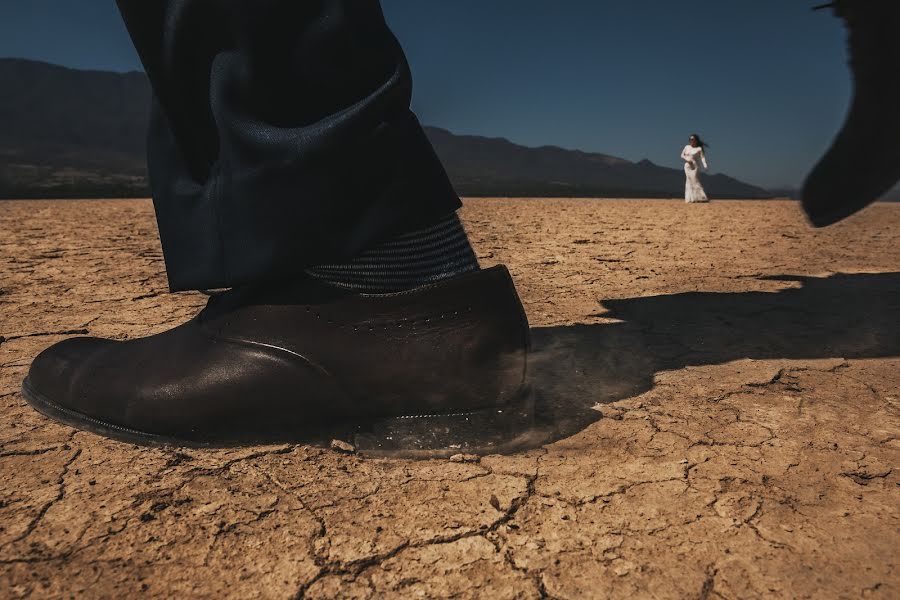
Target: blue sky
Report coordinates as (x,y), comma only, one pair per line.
(765,82)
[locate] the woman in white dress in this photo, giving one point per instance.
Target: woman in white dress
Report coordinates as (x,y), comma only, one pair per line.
(693,191)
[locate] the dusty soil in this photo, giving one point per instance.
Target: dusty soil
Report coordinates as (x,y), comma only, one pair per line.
(724,383)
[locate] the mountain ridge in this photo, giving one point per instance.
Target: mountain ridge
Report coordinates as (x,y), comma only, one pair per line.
(81,133)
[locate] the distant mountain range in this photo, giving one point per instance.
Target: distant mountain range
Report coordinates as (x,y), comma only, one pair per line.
(71,133)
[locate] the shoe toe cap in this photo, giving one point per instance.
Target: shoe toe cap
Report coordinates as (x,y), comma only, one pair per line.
(54,372)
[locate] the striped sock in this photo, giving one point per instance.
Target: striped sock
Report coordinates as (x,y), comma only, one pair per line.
(406,261)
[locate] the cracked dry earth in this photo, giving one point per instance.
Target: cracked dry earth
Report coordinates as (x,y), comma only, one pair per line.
(721,385)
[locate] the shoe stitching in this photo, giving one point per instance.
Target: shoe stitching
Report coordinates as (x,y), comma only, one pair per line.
(385,325)
(438,415)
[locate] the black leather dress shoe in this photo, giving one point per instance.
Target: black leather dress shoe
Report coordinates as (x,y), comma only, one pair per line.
(863,162)
(437,367)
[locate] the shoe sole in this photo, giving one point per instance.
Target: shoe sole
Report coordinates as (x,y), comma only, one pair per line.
(828,218)
(494,430)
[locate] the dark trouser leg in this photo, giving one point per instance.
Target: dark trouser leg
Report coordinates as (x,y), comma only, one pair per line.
(281,136)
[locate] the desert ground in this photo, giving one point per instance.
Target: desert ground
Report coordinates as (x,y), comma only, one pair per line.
(720,385)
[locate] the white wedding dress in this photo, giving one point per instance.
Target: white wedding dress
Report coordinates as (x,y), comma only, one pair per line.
(693,191)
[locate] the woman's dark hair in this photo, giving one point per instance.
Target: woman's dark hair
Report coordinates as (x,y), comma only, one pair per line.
(700,142)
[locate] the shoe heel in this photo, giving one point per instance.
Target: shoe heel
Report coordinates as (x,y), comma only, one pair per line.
(487,431)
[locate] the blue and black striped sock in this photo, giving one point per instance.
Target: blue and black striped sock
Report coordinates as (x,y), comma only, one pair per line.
(406,261)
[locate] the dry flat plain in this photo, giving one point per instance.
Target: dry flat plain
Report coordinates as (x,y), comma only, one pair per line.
(723,384)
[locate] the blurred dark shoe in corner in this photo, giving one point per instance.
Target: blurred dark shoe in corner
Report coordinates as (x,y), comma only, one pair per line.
(864,160)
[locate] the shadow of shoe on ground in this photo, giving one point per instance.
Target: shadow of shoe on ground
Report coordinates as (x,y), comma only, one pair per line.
(577,367)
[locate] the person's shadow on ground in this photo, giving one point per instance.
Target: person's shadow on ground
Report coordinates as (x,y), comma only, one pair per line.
(575,367)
